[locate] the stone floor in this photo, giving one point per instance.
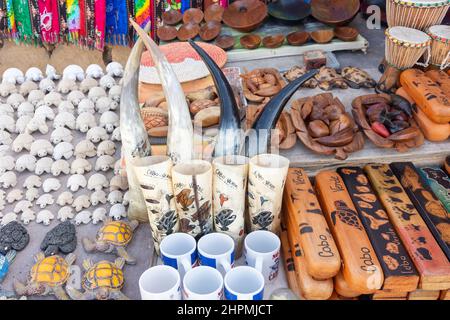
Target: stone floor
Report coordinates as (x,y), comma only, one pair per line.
(141,246)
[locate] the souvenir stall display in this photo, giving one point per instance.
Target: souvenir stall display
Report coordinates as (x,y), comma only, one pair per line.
(193,172)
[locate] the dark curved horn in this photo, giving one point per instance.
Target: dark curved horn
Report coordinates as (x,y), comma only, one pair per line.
(268,118)
(229,137)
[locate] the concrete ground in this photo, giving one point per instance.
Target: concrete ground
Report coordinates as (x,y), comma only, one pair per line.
(141,247)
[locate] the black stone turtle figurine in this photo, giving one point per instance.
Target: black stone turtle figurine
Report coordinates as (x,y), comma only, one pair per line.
(62,238)
(13,236)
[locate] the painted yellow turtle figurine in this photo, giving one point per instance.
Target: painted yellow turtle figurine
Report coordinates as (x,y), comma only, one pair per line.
(102,281)
(112,237)
(47,277)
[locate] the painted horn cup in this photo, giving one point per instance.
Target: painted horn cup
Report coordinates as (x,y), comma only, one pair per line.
(154,174)
(229,190)
(192,181)
(266,179)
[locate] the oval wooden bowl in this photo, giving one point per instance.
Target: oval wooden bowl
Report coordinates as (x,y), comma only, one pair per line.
(322,36)
(250,41)
(188,31)
(334,12)
(346,33)
(172,17)
(193,15)
(210,30)
(245,15)
(298,38)
(166,33)
(273,41)
(214,13)
(225,42)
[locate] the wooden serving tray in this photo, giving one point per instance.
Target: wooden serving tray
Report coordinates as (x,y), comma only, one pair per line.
(430,261)
(361,268)
(428,205)
(310,288)
(398,268)
(320,251)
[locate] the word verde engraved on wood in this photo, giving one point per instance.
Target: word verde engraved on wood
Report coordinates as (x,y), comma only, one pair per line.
(398,268)
(430,261)
(302,207)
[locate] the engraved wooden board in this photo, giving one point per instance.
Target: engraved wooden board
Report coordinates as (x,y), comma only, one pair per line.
(439,182)
(430,208)
(398,268)
(342,288)
(430,261)
(289,265)
(310,288)
(424,295)
(445,295)
(447,165)
(320,250)
(361,269)
(389,294)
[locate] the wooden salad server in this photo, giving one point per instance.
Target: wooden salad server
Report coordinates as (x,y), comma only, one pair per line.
(430,261)
(180,135)
(308,222)
(361,269)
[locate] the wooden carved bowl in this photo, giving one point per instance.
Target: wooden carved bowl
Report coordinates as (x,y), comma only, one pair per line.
(172,17)
(166,33)
(193,15)
(322,36)
(364,109)
(225,42)
(250,41)
(273,41)
(214,12)
(335,12)
(210,30)
(188,31)
(298,38)
(245,15)
(346,33)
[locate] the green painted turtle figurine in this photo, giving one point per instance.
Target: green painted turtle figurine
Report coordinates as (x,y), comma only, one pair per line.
(47,277)
(102,281)
(113,237)
(5,262)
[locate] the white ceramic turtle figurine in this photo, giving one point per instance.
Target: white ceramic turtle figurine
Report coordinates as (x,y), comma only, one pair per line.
(34,74)
(104,163)
(87,84)
(86,105)
(102,281)
(47,85)
(85,121)
(60,166)
(63,150)
(66,85)
(73,72)
(95,93)
(109,120)
(107,82)
(6,109)
(22,125)
(26,108)
(22,141)
(80,166)
(47,276)
(85,148)
(13,76)
(94,71)
(114,69)
(61,134)
(5,138)
(113,237)
(65,198)
(6,89)
(26,162)
(76,181)
(51,73)
(35,96)
(43,165)
(26,87)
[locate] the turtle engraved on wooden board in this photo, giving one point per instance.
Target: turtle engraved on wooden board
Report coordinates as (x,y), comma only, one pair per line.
(375,223)
(392,247)
(391,262)
(345,215)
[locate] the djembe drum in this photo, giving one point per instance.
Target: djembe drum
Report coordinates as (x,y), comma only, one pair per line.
(440,46)
(404,48)
(417,14)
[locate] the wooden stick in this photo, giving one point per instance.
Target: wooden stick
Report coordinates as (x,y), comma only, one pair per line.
(342,288)
(430,261)
(289,265)
(424,295)
(321,254)
(398,268)
(427,204)
(361,269)
(310,288)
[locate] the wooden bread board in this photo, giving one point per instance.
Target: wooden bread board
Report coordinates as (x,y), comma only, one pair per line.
(424,295)
(398,268)
(319,248)
(430,261)
(389,294)
(427,204)
(289,265)
(342,288)
(361,268)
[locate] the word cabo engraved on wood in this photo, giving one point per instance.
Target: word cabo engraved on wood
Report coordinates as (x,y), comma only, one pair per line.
(430,262)
(361,269)
(398,268)
(429,207)
(302,207)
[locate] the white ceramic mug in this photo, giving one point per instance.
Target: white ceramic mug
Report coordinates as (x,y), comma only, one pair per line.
(203,283)
(160,283)
(216,250)
(244,283)
(262,252)
(179,250)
